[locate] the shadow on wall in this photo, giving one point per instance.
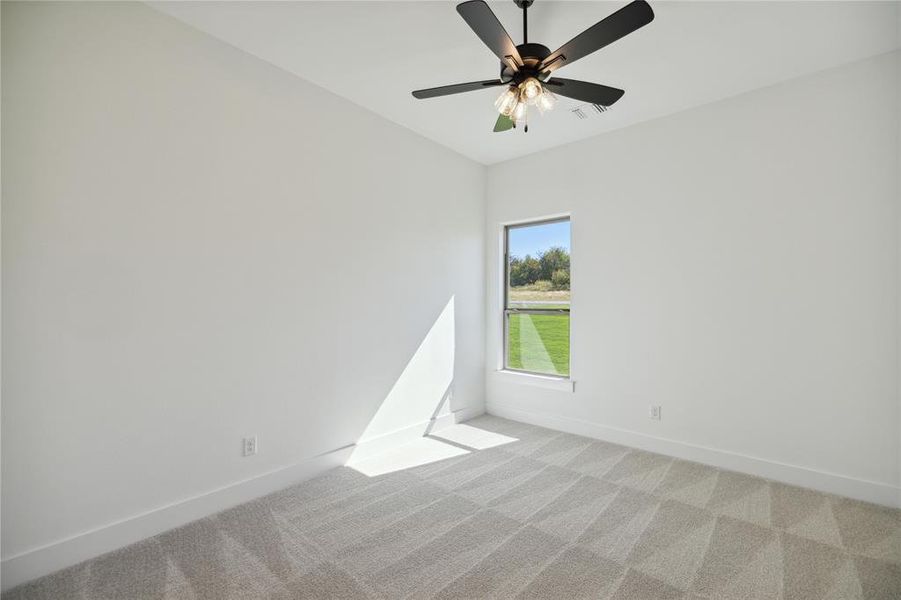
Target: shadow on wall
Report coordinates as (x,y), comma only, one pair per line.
(421,395)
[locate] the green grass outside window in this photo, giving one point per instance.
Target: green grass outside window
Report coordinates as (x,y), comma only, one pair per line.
(538,343)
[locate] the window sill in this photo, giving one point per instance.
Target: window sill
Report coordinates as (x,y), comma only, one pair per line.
(552,383)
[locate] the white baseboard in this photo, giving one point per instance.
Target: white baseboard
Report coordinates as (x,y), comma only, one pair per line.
(58,555)
(77,548)
(465,414)
(869,491)
(376,445)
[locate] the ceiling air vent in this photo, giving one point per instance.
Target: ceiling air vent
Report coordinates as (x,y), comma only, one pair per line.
(586,110)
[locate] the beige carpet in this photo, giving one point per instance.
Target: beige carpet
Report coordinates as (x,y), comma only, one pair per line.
(549,515)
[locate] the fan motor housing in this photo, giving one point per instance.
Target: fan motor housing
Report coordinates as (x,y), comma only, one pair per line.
(532,55)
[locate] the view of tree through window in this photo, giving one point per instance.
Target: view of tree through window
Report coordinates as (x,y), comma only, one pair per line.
(536,310)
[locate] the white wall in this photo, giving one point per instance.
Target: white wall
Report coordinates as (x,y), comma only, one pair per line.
(197,247)
(737,264)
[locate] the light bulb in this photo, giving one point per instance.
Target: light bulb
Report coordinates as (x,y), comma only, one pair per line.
(546,101)
(530,90)
(507,101)
(519,112)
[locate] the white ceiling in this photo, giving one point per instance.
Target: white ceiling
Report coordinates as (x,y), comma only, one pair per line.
(375,53)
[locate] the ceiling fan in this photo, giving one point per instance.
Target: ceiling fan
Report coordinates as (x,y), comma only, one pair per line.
(526,69)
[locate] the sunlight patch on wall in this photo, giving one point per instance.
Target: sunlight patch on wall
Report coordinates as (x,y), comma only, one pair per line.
(422,391)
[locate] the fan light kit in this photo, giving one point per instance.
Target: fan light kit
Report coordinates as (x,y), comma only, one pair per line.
(526,69)
(513,102)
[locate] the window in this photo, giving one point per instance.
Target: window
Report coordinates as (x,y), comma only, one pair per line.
(536,297)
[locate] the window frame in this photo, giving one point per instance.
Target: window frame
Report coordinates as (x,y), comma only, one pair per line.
(506,311)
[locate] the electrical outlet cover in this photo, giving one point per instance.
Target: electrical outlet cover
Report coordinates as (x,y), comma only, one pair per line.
(250,446)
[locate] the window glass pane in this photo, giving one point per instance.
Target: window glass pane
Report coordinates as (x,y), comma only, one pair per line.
(538,266)
(538,343)
(537,298)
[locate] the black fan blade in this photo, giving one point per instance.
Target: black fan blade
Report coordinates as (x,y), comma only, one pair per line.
(484,22)
(457,88)
(503,124)
(594,93)
(633,16)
